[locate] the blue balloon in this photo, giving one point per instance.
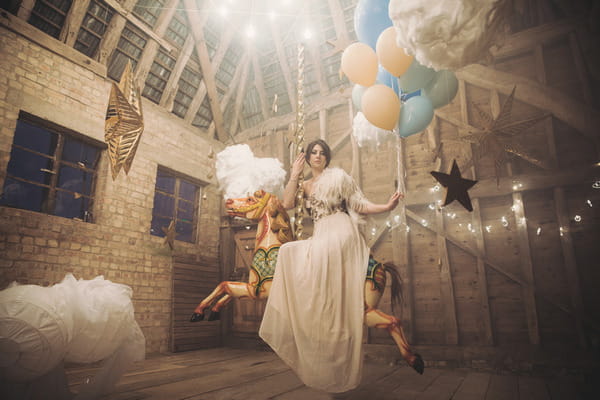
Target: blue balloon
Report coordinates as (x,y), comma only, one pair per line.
(357,93)
(416,77)
(415,115)
(371,17)
(389,80)
(442,88)
(406,96)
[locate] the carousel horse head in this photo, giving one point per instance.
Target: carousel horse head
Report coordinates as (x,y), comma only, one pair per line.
(262,206)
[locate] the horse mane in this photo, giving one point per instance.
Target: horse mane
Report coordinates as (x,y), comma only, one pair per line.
(280,220)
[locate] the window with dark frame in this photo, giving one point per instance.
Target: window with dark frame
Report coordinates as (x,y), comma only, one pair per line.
(176,198)
(148,10)
(51,170)
(178,30)
(130,48)
(157,78)
(93,27)
(189,82)
(50,15)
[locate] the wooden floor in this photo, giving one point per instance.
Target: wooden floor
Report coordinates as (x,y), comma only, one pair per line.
(229,374)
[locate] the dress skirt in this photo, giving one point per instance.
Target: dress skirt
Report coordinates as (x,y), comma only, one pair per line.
(314,315)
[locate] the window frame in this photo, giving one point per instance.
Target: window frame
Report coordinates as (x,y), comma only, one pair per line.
(58,160)
(176,195)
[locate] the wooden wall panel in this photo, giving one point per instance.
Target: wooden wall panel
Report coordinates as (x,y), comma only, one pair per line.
(194,277)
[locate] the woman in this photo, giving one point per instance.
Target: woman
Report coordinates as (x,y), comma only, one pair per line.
(314,315)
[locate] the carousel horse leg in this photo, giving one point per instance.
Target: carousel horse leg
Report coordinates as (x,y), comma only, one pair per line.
(376,318)
(229,289)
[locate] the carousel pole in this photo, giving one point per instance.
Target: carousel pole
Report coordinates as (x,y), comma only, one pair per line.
(299,142)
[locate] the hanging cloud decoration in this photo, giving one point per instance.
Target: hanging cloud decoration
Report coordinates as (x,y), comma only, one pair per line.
(367,134)
(449,34)
(240,173)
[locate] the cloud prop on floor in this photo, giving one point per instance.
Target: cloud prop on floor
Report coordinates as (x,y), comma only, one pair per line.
(449,34)
(240,173)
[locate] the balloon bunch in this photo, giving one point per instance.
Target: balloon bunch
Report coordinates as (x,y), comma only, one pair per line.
(392,90)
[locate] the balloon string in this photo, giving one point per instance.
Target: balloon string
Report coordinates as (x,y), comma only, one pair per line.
(399,178)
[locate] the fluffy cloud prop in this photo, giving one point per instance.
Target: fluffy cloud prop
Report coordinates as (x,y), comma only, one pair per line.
(449,34)
(240,173)
(367,134)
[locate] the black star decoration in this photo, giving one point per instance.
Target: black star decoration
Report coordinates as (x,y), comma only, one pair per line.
(456,186)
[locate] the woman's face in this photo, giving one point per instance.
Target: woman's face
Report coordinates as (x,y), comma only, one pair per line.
(317,157)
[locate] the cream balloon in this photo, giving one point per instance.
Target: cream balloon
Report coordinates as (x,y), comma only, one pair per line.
(381,106)
(359,63)
(391,57)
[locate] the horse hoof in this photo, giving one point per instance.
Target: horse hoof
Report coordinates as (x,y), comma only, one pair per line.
(196,317)
(214,316)
(418,364)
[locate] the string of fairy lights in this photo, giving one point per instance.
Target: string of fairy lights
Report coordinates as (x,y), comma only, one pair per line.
(504,222)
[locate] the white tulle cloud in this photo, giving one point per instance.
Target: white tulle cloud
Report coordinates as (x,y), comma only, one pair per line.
(367,134)
(240,173)
(449,34)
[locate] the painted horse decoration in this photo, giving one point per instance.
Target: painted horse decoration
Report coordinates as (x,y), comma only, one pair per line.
(273,230)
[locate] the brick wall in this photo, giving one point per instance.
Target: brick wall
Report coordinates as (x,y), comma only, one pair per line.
(40,249)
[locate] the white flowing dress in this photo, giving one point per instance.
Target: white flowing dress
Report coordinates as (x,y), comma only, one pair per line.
(314,315)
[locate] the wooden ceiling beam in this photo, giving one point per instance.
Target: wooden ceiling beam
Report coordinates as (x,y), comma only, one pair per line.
(240,98)
(235,82)
(339,23)
(285,68)
(171,87)
(207,70)
(569,110)
(114,29)
(124,10)
(260,84)
(332,100)
(149,54)
(73,22)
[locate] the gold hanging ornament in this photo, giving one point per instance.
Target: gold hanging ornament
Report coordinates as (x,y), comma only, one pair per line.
(124,122)
(299,142)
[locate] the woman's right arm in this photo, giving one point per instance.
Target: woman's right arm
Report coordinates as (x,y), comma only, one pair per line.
(289,193)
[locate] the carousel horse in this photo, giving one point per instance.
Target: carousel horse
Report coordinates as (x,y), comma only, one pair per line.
(273,230)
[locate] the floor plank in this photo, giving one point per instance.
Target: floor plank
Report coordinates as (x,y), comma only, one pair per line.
(473,387)
(502,387)
(533,388)
(232,374)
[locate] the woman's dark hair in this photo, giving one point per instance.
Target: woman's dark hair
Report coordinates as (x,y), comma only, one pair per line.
(323,145)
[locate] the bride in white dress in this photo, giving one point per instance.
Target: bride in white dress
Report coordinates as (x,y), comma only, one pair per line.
(314,315)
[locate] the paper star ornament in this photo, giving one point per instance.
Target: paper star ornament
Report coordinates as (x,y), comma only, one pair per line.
(456,186)
(170,234)
(496,136)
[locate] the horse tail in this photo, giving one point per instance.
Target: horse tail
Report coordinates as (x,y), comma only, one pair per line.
(396,285)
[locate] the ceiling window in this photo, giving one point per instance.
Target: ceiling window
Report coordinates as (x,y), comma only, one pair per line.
(203,117)
(49,15)
(178,30)
(93,27)
(51,170)
(159,74)
(176,198)
(130,48)
(148,10)
(188,85)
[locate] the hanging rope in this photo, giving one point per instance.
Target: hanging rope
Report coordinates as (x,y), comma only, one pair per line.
(299,142)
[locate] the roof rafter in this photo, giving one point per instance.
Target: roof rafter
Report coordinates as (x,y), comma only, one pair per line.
(207,70)
(285,68)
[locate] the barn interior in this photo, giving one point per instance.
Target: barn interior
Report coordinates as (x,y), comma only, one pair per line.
(508,287)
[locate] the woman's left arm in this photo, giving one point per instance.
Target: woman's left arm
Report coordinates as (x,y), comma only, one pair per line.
(372,208)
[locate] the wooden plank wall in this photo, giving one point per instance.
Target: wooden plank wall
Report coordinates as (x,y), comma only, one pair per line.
(194,277)
(521,269)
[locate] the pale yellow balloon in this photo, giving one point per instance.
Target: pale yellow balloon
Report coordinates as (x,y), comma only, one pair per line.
(359,63)
(381,106)
(391,57)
